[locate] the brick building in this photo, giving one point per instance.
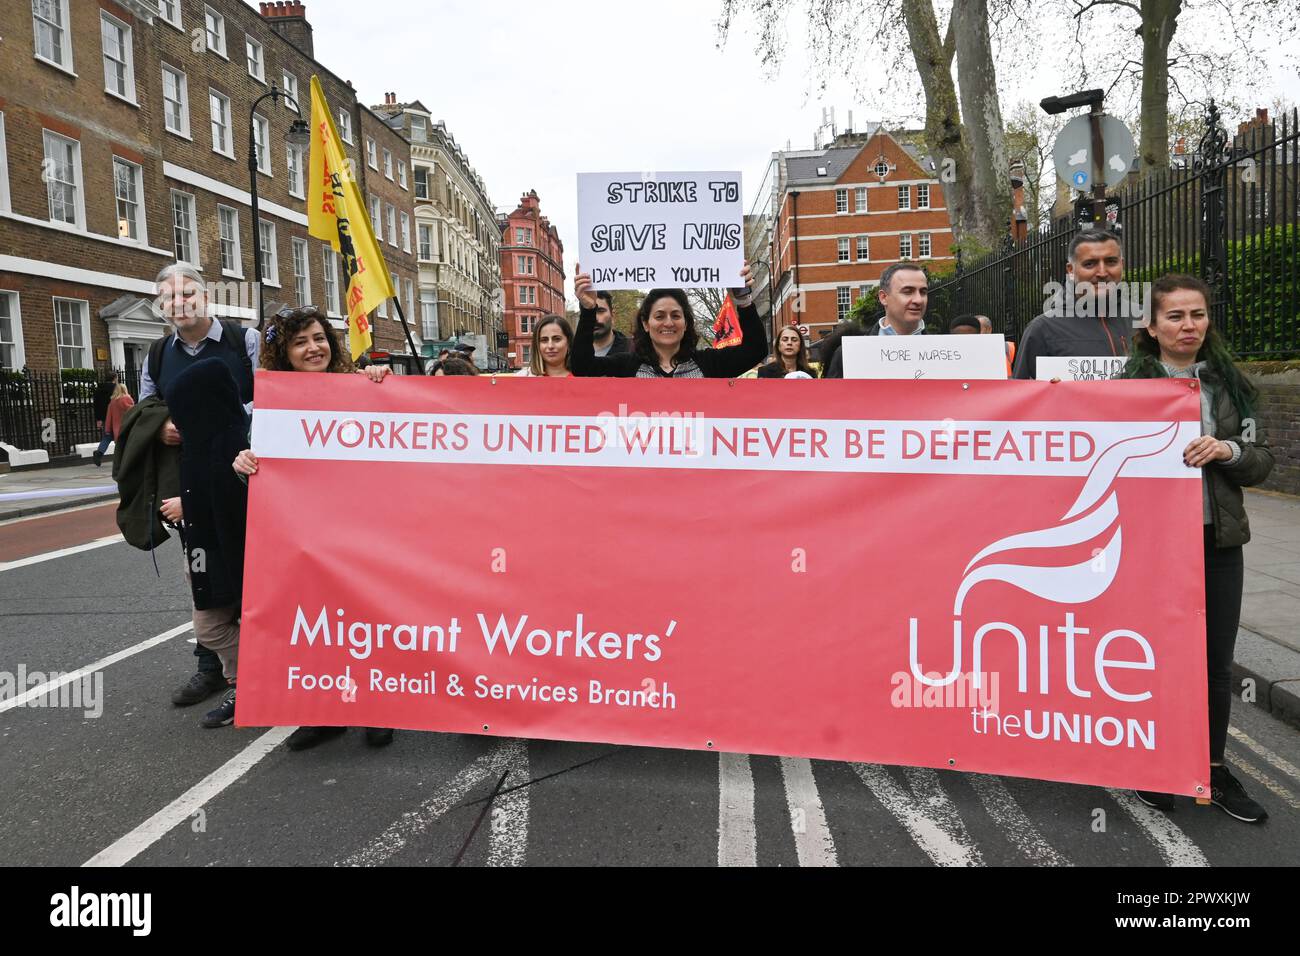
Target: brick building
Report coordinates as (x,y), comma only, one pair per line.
(532,273)
(136,113)
(457,241)
(844,213)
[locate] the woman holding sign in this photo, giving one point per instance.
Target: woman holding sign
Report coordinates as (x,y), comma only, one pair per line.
(300,340)
(1181,342)
(664,344)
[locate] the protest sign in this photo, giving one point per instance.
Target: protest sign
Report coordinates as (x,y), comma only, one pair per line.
(973,590)
(1092,369)
(661,230)
(925,356)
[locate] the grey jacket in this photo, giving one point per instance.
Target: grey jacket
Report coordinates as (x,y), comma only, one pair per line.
(1071,336)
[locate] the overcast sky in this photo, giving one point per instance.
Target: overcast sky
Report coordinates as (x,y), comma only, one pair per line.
(538,92)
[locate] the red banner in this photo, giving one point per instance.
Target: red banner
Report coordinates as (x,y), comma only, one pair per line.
(1002,577)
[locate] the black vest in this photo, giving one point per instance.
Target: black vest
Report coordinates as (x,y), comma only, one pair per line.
(231,350)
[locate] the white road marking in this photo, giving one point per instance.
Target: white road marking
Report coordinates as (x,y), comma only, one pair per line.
(1175,846)
(929,792)
(1269,783)
(508,838)
(52,686)
(812,837)
(410,824)
(1280,763)
(54,514)
(1007,813)
(938,844)
(183,807)
(737,838)
(62,553)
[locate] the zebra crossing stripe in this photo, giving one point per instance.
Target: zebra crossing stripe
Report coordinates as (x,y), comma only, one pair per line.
(935,841)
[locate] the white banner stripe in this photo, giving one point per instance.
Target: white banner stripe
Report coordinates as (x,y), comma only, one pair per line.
(1045,449)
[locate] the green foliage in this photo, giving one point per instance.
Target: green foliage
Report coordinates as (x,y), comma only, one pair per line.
(78,383)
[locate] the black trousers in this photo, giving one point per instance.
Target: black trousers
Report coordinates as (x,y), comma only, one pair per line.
(1224,576)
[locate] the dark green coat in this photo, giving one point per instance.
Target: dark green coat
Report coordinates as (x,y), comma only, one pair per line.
(1227,504)
(147,473)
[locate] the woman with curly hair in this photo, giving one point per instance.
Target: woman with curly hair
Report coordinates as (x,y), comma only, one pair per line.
(1180,341)
(302,340)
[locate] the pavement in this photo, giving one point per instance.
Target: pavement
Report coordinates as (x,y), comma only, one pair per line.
(37,490)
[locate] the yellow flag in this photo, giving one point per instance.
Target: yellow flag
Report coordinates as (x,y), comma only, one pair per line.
(337,215)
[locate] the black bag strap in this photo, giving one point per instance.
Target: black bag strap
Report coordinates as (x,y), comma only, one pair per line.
(232,336)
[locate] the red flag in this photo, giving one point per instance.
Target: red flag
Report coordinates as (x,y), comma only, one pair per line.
(726,327)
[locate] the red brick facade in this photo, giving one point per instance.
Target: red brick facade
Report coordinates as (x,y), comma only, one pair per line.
(174,164)
(829,250)
(532,273)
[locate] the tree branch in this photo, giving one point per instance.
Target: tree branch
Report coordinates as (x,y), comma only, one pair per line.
(1107,3)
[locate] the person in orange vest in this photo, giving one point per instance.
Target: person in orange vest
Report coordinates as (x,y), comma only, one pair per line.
(986,327)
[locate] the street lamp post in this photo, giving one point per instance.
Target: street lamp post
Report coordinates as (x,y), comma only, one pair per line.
(299,135)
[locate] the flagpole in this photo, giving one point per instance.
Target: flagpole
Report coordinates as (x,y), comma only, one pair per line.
(406,326)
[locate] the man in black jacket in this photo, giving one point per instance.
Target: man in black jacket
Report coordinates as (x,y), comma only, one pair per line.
(607,340)
(904,293)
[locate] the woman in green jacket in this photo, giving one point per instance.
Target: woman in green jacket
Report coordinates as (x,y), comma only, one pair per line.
(1181,342)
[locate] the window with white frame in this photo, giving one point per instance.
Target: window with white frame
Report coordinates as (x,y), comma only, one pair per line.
(860,199)
(170,10)
(923,245)
(214,27)
(261,137)
(228,234)
(528,353)
(381,310)
(923,196)
(345,126)
(429,314)
(256,58)
(119,62)
(406,233)
(4,167)
(222,138)
(843,301)
(419,129)
(905,246)
(523,236)
(184,239)
(425,234)
(526,324)
(176,101)
(388,162)
(270,262)
(401,174)
(296,163)
(72,332)
(841,200)
(864,249)
(11,332)
(290,86)
(527,295)
(390,224)
(843,250)
(862,292)
(50,26)
(904,197)
(128,187)
(301,278)
(524,265)
(333,305)
(421,183)
(376,224)
(881,168)
(410,297)
(372,157)
(63,180)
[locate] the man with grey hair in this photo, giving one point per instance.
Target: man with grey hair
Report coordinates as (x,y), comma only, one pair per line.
(903,293)
(1082,328)
(183,301)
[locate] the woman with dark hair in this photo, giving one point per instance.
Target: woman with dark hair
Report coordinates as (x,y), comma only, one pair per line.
(1181,342)
(551,348)
(453,365)
(665,340)
(302,340)
(789,356)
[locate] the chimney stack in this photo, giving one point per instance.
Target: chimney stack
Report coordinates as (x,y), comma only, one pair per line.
(289,19)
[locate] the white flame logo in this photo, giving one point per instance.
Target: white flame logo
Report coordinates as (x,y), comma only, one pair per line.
(1078,583)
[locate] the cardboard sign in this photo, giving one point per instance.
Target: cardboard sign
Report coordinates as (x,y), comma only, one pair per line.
(925,356)
(661,230)
(1007,623)
(1071,369)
